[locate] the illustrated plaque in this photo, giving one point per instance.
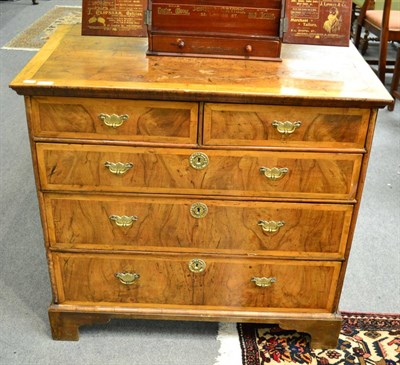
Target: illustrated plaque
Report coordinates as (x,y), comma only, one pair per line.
(323,22)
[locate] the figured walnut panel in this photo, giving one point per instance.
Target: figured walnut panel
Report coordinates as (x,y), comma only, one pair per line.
(81,221)
(251,125)
(148,121)
(225,282)
(311,175)
(307,75)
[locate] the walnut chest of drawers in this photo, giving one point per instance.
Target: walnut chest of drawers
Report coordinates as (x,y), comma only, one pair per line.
(197,189)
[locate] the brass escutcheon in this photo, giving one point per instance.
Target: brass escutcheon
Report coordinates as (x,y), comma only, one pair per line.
(198,160)
(198,210)
(263,282)
(118,168)
(197,265)
(287,127)
(113,120)
(274,173)
(127,278)
(271,226)
(123,220)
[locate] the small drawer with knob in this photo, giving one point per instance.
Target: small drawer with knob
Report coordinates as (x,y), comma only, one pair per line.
(216,46)
(143,121)
(285,126)
(209,281)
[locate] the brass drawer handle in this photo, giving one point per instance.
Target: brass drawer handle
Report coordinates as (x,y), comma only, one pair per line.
(123,220)
(198,210)
(274,173)
(271,226)
(113,120)
(118,168)
(198,160)
(197,265)
(127,278)
(263,282)
(287,127)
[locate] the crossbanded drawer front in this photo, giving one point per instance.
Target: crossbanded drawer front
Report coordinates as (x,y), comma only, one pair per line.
(285,126)
(115,119)
(279,285)
(183,171)
(173,224)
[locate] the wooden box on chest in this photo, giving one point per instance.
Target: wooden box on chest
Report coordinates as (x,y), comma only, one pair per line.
(218,28)
(254,29)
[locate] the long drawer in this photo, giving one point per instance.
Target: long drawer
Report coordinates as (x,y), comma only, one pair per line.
(216,46)
(274,285)
(116,119)
(240,173)
(173,224)
(285,126)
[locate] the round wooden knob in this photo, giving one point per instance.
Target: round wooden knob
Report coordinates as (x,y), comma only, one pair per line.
(249,48)
(181,43)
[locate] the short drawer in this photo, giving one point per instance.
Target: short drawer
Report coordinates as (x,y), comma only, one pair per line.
(192,280)
(235,47)
(115,119)
(284,126)
(162,170)
(174,224)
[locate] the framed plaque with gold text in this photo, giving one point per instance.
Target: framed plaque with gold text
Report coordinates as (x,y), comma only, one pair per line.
(114,17)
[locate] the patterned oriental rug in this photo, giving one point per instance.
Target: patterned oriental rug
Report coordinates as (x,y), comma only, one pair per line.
(366,339)
(35,36)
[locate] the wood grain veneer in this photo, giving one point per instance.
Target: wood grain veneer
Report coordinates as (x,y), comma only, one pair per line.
(252,125)
(230,227)
(81,167)
(147,121)
(226,282)
(308,75)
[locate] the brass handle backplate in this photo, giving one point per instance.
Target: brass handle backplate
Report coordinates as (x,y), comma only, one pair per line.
(274,173)
(127,278)
(123,220)
(263,282)
(198,210)
(197,265)
(113,120)
(287,127)
(271,226)
(118,168)
(198,160)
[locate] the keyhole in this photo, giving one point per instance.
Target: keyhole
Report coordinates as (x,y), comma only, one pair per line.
(198,210)
(199,160)
(197,265)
